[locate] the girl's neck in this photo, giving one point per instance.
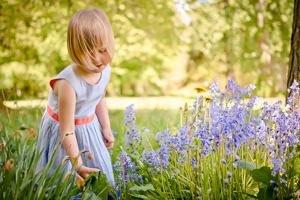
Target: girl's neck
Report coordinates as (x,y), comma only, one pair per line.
(90,77)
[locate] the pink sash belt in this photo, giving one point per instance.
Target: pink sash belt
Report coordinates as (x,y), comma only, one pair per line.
(85,120)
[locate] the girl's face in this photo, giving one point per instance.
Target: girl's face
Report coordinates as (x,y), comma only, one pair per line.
(100,58)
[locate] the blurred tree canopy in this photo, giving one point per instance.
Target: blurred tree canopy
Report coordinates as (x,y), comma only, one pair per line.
(246,40)
(161,45)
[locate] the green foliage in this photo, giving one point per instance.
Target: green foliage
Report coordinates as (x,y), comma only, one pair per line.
(97,187)
(30,81)
(34,34)
(201,158)
(21,180)
(245,164)
(265,192)
(142,187)
(245,40)
(141,191)
(262,175)
(168,185)
(266,189)
(20,146)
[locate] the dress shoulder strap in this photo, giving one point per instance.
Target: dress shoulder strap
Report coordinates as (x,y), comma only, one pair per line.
(69,75)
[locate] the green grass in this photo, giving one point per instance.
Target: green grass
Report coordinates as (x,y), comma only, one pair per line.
(154,120)
(22,150)
(209,181)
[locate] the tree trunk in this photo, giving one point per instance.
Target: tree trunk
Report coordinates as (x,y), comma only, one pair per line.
(294,65)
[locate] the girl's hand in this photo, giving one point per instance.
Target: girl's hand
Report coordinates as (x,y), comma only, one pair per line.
(84,172)
(108,139)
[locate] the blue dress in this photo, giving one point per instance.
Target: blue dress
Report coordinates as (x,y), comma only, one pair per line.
(87,126)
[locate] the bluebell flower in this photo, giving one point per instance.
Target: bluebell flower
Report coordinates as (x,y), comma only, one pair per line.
(145,130)
(127,181)
(276,166)
(234,165)
(226,181)
(226,123)
(179,160)
(251,87)
(140,176)
(114,132)
(230,86)
(214,88)
(282,181)
(144,156)
(134,177)
(294,87)
(132,134)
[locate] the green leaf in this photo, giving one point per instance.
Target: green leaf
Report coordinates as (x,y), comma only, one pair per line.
(139,196)
(262,175)
(90,195)
(142,187)
(245,164)
(99,185)
(91,178)
(265,193)
(297,165)
(250,195)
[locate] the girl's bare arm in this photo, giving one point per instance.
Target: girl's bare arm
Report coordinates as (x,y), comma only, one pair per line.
(66,105)
(103,117)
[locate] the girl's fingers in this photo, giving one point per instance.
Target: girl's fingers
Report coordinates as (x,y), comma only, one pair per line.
(95,170)
(110,145)
(91,170)
(106,142)
(86,171)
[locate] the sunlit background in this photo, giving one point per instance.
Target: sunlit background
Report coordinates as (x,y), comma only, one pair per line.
(163,47)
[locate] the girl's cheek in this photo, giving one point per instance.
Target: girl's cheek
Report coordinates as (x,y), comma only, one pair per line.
(106,58)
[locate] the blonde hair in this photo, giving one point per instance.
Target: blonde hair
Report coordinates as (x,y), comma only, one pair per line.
(88,30)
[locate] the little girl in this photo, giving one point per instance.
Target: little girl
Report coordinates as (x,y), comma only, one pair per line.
(76,104)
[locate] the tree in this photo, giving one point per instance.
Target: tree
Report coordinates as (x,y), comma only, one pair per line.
(294,65)
(245,40)
(33,44)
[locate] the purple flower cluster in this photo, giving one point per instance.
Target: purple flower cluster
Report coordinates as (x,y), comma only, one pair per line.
(126,165)
(133,133)
(224,125)
(126,169)
(168,145)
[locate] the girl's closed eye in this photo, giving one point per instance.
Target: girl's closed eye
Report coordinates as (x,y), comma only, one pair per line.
(103,50)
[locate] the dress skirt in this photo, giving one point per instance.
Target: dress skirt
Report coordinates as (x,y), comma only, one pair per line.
(89,137)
